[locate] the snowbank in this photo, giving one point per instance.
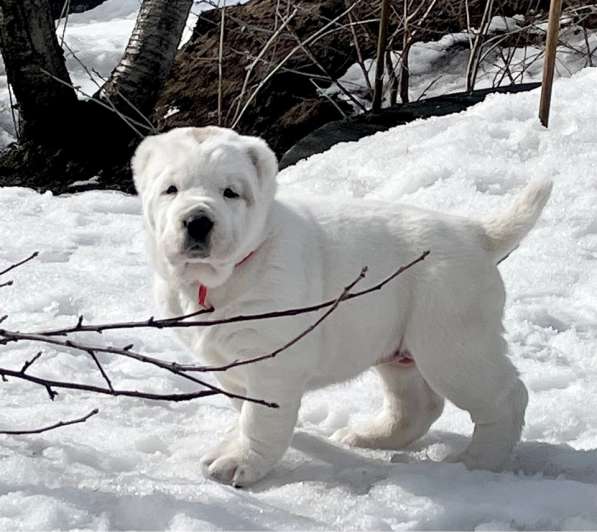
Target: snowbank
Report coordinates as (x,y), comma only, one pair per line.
(135,465)
(439,67)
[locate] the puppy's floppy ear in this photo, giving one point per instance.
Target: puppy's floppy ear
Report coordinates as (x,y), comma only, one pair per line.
(263,158)
(141,159)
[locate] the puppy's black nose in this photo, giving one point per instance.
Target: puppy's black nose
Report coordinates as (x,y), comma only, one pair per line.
(198,227)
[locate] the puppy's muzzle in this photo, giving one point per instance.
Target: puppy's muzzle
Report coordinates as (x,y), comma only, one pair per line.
(198,227)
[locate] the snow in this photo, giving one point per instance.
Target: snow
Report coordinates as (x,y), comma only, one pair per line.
(503,24)
(135,464)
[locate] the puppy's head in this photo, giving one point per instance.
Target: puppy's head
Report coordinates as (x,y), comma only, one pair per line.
(206,194)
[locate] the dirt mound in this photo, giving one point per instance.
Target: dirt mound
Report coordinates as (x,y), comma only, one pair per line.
(287,106)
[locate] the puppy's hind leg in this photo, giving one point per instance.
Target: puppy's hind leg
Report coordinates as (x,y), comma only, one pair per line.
(410,407)
(474,373)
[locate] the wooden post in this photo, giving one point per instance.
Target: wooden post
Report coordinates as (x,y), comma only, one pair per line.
(381,50)
(553,29)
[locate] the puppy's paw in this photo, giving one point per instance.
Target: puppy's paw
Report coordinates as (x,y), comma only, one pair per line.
(488,462)
(230,463)
(224,447)
(346,436)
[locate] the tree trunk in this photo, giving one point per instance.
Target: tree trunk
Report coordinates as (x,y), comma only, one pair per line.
(64,139)
(35,68)
(140,76)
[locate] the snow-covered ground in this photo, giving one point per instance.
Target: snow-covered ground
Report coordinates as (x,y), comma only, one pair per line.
(135,465)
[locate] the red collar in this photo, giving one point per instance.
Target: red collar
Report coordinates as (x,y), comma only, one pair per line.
(202,289)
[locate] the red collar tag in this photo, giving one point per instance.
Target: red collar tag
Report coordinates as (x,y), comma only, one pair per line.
(202,296)
(202,290)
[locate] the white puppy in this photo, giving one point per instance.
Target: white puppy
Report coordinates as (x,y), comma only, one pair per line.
(218,237)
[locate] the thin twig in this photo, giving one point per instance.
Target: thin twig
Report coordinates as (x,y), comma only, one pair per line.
(64,13)
(51,384)
(101,369)
(297,338)
(220,56)
(126,119)
(90,74)
(312,38)
(181,321)
(332,79)
(51,427)
(328,98)
(589,52)
(29,363)
(20,263)
(344,296)
(15,122)
(381,50)
(258,58)
(360,60)
(433,82)
(172,367)
(473,63)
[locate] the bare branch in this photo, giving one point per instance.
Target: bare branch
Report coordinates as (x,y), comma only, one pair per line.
(258,58)
(360,60)
(51,384)
(307,51)
(312,38)
(29,363)
(92,74)
(180,370)
(328,98)
(473,63)
(20,263)
(52,427)
(220,55)
(127,120)
(101,369)
(172,367)
(296,339)
(344,296)
(381,49)
(181,321)
(15,118)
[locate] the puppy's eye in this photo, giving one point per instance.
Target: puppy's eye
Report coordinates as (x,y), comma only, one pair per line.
(171,190)
(230,194)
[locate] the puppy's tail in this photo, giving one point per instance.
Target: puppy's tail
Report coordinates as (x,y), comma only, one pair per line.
(505,230)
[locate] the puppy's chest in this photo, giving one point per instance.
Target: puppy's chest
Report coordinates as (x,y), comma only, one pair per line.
(216,344)
(209,344)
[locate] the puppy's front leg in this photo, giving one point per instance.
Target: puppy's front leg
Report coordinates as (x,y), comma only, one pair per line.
(263,434)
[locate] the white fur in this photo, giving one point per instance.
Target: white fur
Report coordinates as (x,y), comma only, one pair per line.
(447,311)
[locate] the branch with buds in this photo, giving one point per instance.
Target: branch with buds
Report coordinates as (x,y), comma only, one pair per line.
(60,338)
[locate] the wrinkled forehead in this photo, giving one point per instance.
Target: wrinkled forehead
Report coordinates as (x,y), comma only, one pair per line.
(212,160)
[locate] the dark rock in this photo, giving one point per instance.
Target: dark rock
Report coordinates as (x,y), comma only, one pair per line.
(356,127)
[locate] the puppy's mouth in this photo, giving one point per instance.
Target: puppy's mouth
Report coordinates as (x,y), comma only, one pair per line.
(196,253)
